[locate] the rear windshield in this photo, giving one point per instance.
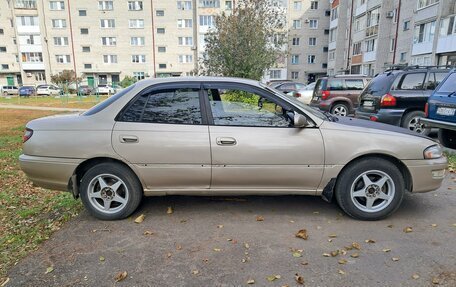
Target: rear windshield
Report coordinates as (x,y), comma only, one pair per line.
(101,106)
(381,84)
(320,85)
(449,86)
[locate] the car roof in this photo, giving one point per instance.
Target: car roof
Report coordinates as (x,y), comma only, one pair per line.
(155,81)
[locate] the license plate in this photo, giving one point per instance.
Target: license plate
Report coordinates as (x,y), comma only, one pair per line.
(446,111)
(368,103)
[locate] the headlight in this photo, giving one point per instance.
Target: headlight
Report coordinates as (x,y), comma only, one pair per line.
(432,152)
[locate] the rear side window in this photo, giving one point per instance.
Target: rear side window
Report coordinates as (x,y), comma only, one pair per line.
(336,85)
(412,81)
(354,84)
(449,86)
(170,106)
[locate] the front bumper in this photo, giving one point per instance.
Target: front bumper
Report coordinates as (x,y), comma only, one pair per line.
(427,174)
(49,172)
(387,116)
(438,124)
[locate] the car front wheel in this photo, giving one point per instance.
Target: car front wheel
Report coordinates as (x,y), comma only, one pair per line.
(110,191)
(370,189)
(340,110)
(447,138)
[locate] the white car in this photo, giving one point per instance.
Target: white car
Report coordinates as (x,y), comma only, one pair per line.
(304,95)
(105,90)
(48,90)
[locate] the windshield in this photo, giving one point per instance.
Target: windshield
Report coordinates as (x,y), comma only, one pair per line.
(101,106)
(297,103)
(449,86)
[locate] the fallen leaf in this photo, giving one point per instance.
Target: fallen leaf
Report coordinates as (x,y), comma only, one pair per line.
(326,255)
(169,255)
(139,219)
(354,255)
(243,260)
(454,224)
(319,227)
(342,261)
(169,210)
(183,220)
(250,281)
(369,241)
(259,218)
(435,281)
(102,258)
(299,279)
(390,226)
(316,212)
(292,221)
(246,245)
(297,254)
(332,236)
(178,247)
(302,234)
(356,245)
(49,270)
(434,225)
(220,226)
(5,282)
(195,272)
(120,276)
(342,272)
(217,249)
(330,240)
(386,250)
(395,258)
(334,253)
(273,277)
(148,232)
(415,276)
(305,263)
(408,229)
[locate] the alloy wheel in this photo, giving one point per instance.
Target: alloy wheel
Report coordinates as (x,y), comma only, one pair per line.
(108,193)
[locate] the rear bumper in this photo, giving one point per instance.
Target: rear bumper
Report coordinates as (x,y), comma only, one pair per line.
(49,172)
(427,174)
(387,116)
(438,124)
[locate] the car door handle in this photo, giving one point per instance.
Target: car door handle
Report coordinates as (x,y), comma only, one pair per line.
(226,141)
(129,139)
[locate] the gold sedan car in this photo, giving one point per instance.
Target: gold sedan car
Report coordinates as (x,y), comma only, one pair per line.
(225,136)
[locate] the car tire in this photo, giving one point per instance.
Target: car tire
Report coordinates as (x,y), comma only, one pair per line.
(5,94)
(411,122)
(340,110)
(370,189)
(110,191)
(447,138)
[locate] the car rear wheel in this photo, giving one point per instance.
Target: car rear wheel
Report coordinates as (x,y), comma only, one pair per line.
(110,191)
(447,138)
(412,122)
(340,110)
(370,189)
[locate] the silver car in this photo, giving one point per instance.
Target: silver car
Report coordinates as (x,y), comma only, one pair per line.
(225,136)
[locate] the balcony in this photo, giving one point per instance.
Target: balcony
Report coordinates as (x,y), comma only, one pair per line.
(32,66)
(427,13)
(446,44)
(334,23)
(28,29)
(25,4)
(30,48)
(370,56)
(361,9)
(422,48)
(371,31)
(332,45)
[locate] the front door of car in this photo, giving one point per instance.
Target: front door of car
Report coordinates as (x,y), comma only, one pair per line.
(254,144)
(164,134)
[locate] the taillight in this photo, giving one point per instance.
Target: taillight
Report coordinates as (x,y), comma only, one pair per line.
(426,110)
(27,135)
(325,95)
(297,95)
(388,101)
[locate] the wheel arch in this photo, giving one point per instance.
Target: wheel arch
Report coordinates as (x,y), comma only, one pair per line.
(410,110)
(343,101)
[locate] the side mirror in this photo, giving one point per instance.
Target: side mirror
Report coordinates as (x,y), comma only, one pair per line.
(300,121)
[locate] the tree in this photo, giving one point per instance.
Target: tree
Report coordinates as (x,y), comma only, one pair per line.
(127,81)
(245,43)
(65,77)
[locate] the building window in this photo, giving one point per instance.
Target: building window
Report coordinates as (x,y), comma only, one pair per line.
(332,35)
(184,23)
(2,32)
(311,59)
(56,5)
(297,5)
(297,24)
(27,21)
(313,23)
(209,3)
(185,59)
(335,13)
(59,23)
(139,75)
(25,4)
(275,74)
(373,17)
(160,13)
(406,25)
(105,5)
(392,44)
(331,55)
(447,26)
(84,31)
(63,59)
(185,41)
(357,48)
(108,41)
(162,66)
(228,5)
(312,41)
(160,30)
(82,12)
(86,49)
(2,49)
(325,49)
(137,41)
(425,3)
(161,49)
(88,66)
(371,45)
(313,5)
(40,76)
(5,66)
(138,58)
(107,23)
(324,65)
(135,5)
(295,41)
(294,59)
(110,59)
(403,57)
(136,23)
(184,5)
(424,33)
(61,41)
(32,57)
(206,20)
(294,75)
(356,70)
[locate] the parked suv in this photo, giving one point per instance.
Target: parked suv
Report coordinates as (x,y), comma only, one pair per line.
(398,96)
(338,94)
(441,111)
(9,90)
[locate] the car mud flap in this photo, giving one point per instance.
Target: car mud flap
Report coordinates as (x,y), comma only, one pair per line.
(328,192)
(73,186)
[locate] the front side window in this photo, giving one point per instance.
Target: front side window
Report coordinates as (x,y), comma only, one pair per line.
(449,86)
(239,107)
(170,106)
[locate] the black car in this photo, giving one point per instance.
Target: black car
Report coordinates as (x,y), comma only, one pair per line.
(399,96)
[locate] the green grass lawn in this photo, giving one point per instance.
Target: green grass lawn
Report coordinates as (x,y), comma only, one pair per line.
(28,214)
(62,101)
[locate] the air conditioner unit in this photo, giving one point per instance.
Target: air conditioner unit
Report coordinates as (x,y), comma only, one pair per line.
(390,14)
(307,21)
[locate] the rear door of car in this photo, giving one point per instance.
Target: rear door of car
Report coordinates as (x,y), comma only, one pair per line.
(164,133)
(254,146)
(408,90)
(354,87)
